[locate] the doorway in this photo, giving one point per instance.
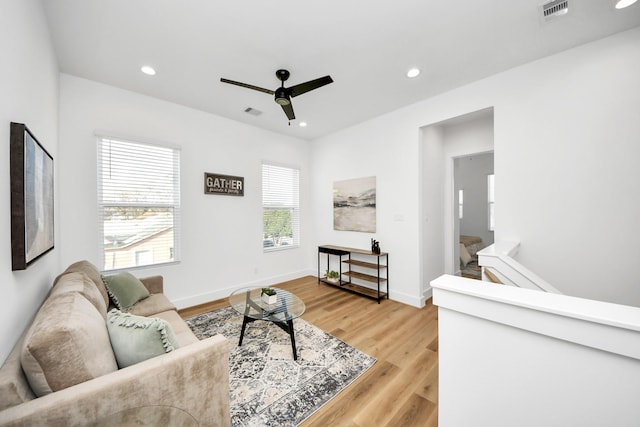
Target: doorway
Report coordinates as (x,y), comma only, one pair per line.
(473,177)
(441,144)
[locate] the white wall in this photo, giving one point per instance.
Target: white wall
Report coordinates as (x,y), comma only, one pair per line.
(29,95)
(567,171)
(377,148)
(432,186)
(221,235)
(572,220)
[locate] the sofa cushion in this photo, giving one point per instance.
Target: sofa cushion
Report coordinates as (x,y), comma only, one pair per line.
(80,282)
(180,328)
(92,273)
(154,284)
(137,338)
(14,388)
(67,344)
(125,289)
(154,304)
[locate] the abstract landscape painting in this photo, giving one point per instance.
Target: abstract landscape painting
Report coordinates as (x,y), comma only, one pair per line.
(32,228)
(354,205)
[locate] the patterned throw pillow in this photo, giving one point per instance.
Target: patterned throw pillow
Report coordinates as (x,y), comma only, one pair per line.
(137,338)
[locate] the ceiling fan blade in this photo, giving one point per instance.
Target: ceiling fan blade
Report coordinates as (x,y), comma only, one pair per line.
(248,86)
(310,85)
(288,110)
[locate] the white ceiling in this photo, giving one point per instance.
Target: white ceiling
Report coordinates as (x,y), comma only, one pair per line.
(365,46)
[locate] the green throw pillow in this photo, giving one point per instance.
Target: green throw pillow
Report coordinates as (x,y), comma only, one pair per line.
(125,290)
(137,338)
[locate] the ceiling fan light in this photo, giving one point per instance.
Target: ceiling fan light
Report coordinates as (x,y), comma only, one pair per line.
(621,4)
(282,97)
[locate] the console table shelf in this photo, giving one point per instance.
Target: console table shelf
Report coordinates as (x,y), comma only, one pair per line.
(365,277)
(363,264)
(376,272)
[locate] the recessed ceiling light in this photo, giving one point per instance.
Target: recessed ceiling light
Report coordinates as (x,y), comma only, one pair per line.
(621,4)
(148,70)
(414,72)
(303,124)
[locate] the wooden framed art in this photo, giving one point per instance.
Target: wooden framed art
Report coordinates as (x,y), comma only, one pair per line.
(31,170)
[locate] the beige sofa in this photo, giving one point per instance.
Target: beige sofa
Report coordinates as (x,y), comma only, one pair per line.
(70,362)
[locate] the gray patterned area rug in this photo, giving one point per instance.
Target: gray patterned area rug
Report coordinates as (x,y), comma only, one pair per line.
(269,388)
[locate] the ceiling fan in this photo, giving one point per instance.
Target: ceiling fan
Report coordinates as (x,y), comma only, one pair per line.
(283,94)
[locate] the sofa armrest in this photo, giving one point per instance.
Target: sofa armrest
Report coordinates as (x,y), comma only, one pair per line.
(190,383)
(154,284)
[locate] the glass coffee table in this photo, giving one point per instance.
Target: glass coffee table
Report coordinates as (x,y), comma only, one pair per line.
(287,307)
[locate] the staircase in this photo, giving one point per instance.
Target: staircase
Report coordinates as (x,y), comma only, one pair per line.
(499,266)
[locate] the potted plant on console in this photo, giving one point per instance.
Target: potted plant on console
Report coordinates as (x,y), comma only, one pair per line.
(268,295)
(332,276)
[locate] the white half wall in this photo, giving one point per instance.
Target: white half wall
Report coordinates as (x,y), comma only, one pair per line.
(521,357)
(565,163)
(29,95)
(221,242)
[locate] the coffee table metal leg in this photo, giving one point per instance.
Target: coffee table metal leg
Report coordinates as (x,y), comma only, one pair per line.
(287,326)
(244,325)
(293,339)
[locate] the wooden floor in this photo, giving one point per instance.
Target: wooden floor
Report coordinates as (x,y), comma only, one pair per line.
(401,389)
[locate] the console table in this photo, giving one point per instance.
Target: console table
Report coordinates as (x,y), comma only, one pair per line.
(367,267)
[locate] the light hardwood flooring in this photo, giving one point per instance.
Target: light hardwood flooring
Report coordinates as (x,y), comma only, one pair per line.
(401,389)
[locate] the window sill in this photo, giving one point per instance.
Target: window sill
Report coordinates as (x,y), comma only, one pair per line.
(280,248)
(141,267)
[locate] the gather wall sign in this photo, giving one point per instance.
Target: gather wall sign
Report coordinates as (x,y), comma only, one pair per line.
(223,184)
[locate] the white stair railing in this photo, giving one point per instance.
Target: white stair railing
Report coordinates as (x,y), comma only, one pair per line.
(499,259)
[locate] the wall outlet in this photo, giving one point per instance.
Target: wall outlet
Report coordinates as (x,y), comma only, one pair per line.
(398,217)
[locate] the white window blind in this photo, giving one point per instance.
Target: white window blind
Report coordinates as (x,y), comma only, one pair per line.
(280,207)
(138,203)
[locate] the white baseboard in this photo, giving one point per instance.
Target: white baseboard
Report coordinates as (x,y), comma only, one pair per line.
(270,281)
(226,291)
(426,295)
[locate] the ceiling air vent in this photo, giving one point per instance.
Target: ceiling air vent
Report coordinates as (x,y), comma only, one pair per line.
(252,111)
(554,9)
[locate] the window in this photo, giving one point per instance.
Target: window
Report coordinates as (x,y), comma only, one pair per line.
(460,203)
(280,207)
(138,203)
(491,194)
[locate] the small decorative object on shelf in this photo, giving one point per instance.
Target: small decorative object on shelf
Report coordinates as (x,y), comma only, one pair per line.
(268,295)
(375,246)
(332,276)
